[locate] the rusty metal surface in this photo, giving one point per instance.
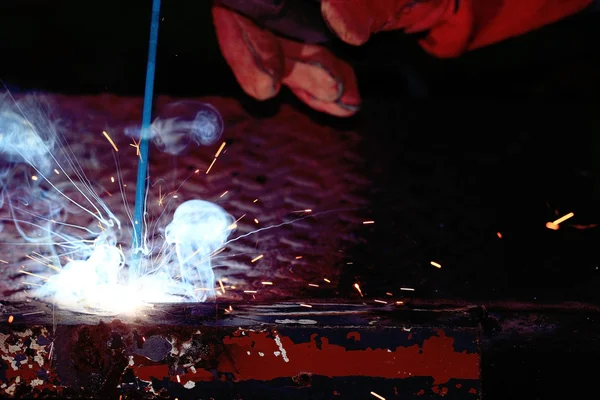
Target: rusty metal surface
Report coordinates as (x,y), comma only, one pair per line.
(526,348)
(282,351)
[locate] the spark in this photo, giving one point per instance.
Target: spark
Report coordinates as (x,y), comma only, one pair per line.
(399,302)
(136,146)
(178,379)
(4,262)
(220,150)
(378,396)
(308,210)
(51,350)
(368,222)
(234,224)
(221,284)
(255,200)
(32,274)
(110,141)
(313,285)
(298,257)
(34,178)
(250,291)
(34,313)
(407,289)
(357,287)
(161,198)
(255,259)
(32,284)
(437,265)
(389,293)
(499,235)
(112,179)
(239,219)
(210,166)
(267,283)
(326,280)
(41,256)
(224,193)
(43,263)
(563,218)
(554,224)
(255,221)
(11,318)
(305,305)
(380,301)
(218,251)
(56,171)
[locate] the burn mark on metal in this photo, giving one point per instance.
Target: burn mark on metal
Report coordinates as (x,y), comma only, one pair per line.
(350,351)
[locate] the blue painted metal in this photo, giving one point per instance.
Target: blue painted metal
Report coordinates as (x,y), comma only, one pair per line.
(142,172)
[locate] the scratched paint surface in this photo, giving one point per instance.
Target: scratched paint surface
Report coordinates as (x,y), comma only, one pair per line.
(116,359)
(26,365)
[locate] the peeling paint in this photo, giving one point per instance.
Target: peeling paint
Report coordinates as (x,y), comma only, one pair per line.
(11,389)
(189,385)
(26,360)
(12,362)
(286,356)
(296,321)
(436,358)
(36,382)
(39,359)
(281,349)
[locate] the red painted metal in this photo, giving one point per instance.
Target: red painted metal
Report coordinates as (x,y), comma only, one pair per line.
(335,350)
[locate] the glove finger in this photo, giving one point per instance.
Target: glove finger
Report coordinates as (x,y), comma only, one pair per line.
(253,54)
(320,76)
(349,20)
(451,37)
(338,108)
(353,21)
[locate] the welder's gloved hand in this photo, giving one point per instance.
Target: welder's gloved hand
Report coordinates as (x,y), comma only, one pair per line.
(451,27)
(262,61)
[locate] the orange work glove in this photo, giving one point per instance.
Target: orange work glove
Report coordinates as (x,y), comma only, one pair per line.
(262,61)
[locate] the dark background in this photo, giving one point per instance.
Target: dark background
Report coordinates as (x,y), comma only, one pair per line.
(503,139)
(499,140)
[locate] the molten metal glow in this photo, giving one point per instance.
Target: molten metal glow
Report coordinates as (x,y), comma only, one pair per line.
(88,269)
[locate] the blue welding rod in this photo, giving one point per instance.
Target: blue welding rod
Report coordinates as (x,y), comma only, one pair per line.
(142,172)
